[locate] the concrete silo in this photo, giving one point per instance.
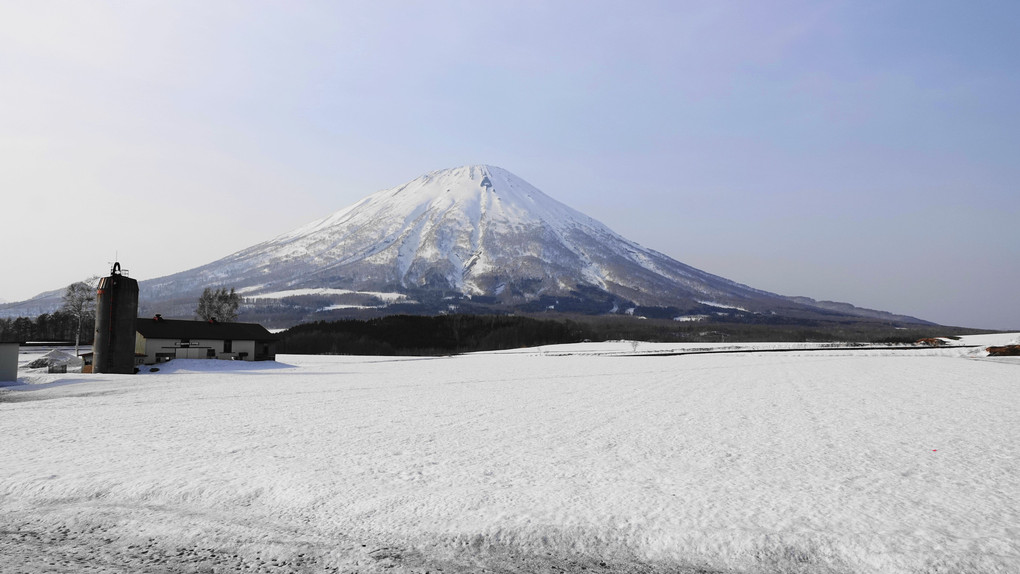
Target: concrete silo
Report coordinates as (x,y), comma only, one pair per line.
(116,311)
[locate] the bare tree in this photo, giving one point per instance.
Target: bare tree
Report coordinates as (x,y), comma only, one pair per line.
(79,302)
(218,304)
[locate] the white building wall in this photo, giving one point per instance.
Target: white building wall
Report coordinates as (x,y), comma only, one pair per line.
(245,347)
(9,361)
(195,349)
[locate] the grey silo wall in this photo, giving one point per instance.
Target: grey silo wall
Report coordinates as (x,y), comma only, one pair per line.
(116,311)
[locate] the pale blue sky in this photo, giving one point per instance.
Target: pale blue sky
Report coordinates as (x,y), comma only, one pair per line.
(853,151)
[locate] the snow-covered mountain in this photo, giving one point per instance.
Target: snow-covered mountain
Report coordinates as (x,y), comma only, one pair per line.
(476,230)
(479,234)
(471,238)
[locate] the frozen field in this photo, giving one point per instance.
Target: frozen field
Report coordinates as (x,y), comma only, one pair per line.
(567,458)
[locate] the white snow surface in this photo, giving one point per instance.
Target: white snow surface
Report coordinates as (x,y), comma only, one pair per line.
(604,457)
(721,305)
(388,297)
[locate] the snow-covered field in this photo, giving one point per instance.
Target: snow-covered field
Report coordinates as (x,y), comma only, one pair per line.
(567,458)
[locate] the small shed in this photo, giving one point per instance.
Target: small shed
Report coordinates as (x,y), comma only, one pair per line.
(158,340)
(9,361)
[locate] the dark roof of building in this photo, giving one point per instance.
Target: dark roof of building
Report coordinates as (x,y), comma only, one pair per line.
(159,328)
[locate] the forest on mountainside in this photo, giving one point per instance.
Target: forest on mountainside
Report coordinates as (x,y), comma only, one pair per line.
(461,333)
(424,335)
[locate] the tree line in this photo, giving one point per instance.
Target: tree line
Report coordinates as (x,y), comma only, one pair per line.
(425,335)
(451,334)
(76,321)
(56,326)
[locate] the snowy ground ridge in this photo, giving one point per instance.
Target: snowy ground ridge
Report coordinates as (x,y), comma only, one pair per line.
(204,541)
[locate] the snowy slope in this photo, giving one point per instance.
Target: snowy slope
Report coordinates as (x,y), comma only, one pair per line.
(537,461)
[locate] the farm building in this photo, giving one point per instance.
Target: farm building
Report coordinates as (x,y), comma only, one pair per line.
(160,340)
(9,361)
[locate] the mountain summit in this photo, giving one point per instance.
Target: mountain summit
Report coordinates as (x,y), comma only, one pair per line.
(474,235)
